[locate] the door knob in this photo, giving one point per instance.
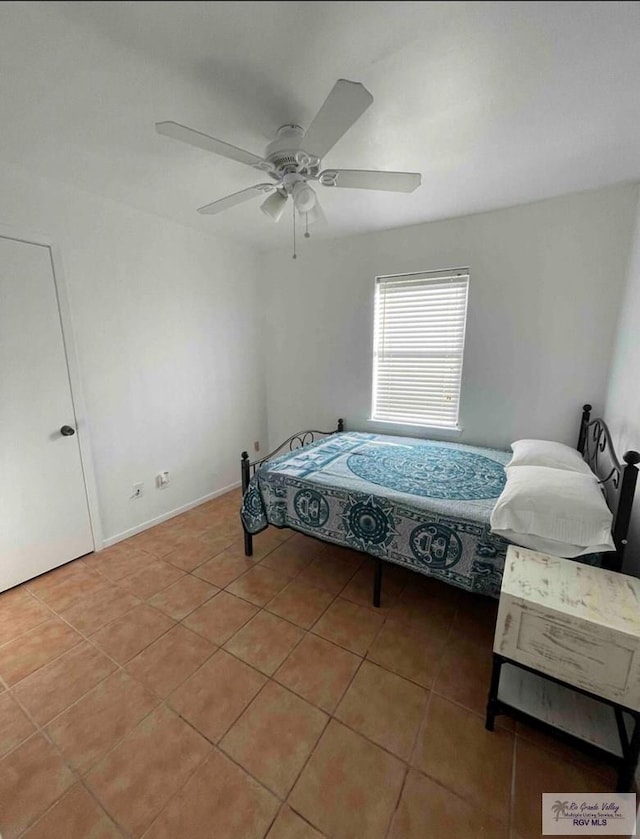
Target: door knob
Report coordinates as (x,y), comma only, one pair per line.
(67,431)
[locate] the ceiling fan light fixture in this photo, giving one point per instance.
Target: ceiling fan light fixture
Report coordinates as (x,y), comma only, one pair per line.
(304,197)
(314,215)
(274,205)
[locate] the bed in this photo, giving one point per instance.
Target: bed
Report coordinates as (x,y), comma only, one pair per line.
(421,504)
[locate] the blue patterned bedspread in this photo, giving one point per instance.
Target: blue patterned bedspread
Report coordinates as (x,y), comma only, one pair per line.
(419,503)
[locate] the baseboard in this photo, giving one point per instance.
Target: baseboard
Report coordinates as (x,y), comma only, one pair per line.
(119,537)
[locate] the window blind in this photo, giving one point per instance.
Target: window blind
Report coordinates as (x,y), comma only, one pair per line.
(418,347)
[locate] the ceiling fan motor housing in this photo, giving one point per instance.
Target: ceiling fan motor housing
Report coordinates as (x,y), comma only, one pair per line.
(287,156)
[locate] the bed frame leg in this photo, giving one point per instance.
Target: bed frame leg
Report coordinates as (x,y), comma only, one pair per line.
(245,474)
(622,517)
(377,582)
(584,422)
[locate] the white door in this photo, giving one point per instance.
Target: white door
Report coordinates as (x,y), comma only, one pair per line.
(44,515)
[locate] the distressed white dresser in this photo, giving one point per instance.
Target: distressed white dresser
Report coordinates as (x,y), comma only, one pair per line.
(567,654)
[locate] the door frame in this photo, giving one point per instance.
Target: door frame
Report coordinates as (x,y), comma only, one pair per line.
(73,371)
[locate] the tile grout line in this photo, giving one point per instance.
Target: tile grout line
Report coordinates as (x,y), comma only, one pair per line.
(409,761)
(423,721)
(244,768)
(76,775)
(337,643)
(433,692)
(90,792)
(235,719)
(179,789)
(54,614)
(332,716)
(217,744)
(82,776)
(222,646)
(218,747)
(392,815)
(41,730)
(163,701)
(406,762)
(329,715)
(27,631)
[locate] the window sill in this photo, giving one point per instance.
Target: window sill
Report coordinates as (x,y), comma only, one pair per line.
(445,430)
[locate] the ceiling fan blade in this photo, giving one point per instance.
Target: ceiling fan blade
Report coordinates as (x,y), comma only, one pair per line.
(235,198)
(342,107)
(204,141)
(363,179)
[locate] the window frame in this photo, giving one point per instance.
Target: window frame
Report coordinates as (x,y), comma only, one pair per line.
(428,276)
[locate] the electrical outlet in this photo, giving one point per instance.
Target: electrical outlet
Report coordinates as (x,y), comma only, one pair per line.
(137,491)
(162,480)
(256,446)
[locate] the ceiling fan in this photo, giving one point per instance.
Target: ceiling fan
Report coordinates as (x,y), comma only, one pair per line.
(293,159)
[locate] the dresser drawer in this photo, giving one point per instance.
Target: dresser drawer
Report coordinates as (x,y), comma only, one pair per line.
(593,657)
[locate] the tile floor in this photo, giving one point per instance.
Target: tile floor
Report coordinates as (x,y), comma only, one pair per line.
(170,687)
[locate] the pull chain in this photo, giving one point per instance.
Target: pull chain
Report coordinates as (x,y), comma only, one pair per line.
(295,255)
(306,226)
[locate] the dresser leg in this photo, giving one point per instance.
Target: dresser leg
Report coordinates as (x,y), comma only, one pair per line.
(492,704)
(626,776)
(377,582)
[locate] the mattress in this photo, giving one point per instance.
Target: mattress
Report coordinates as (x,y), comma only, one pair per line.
(422,504)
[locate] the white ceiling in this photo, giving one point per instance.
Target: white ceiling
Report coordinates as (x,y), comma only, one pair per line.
(494,103)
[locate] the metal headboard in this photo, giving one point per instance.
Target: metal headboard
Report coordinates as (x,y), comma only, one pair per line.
(618,480)
(296,441)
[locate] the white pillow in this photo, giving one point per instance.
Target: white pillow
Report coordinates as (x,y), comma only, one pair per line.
(550,510)
(547,453)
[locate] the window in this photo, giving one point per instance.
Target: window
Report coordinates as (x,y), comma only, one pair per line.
(418,346)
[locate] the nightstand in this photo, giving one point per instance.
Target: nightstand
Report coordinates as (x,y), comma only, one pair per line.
(566,655)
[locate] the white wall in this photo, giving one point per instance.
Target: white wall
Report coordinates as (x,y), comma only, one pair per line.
(623,397)
(174,363)
(546,281)
(166,327)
